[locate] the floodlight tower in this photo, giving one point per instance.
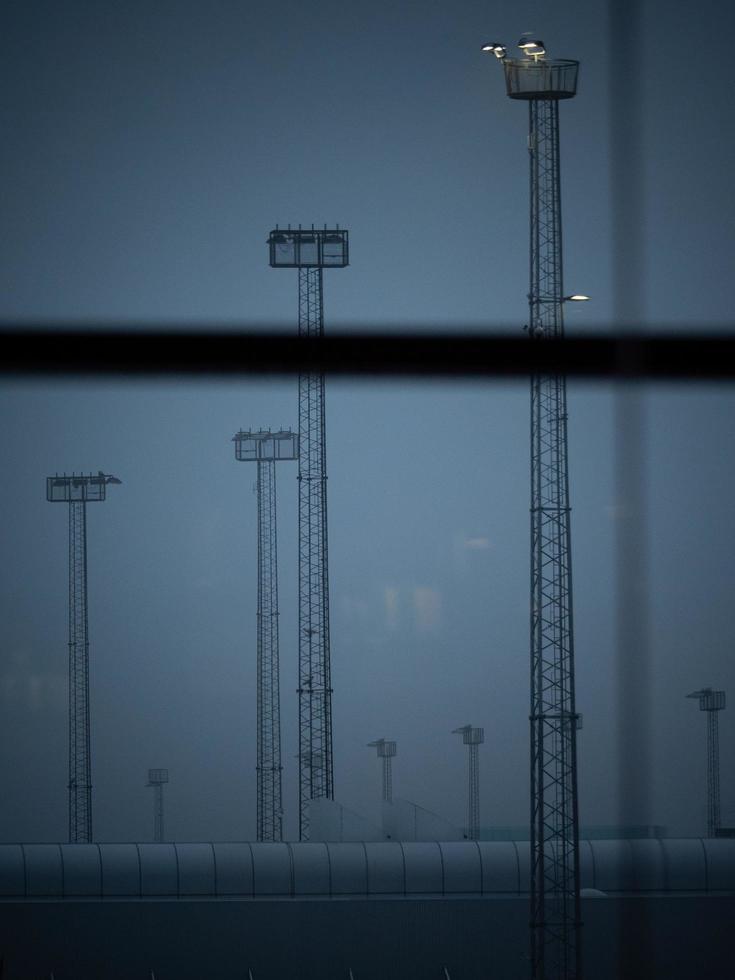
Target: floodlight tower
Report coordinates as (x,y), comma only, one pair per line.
(156,779)
(386,752)
(472,737)
(712,702)
(76,491)
(266,448)
(311,251)
(555,902)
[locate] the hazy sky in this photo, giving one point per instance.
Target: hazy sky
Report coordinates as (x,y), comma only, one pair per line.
(149,150)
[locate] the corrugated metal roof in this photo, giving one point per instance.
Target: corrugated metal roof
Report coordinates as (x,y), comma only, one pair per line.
(387,868)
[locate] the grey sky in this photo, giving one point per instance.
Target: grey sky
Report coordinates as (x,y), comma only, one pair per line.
(152,148)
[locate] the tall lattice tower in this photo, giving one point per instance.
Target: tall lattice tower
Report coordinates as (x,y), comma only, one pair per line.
(386,751)
(157,778)
(712,702)
(77,491)
(266,448)
(311,251)
(555,903)
(472,737)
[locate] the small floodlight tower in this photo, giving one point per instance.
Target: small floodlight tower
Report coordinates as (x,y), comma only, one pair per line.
(76,491)
(712,702)
(311,251)
(386,752)
(156,779)
(555,902)
(472,737)
(266,448)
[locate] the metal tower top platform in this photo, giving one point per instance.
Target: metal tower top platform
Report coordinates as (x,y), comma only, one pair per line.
(309,248)
(156,777)
(709,700)
(540,79)
(78,487)
(386,748)
(470,735)
(261,445)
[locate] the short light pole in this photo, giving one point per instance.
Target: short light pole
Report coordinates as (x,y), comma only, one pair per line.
(386,752)
(472,737)
(156,779)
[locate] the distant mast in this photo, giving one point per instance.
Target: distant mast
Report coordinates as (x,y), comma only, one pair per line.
(712,702)
(266,448)
(386,751)
(472,738)
(157,778)
(77,491)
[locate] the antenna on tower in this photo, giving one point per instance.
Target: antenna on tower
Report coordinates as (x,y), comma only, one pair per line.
(266,448)
(555,884)
(712,702)
(77,491)
(311,251)
(386,752)
(472,737)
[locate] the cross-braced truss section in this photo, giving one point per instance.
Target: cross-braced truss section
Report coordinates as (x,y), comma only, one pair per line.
(473,809)
(713,774)
(555,909)
(80,765)
(388,779)
(315,690)
(269,802)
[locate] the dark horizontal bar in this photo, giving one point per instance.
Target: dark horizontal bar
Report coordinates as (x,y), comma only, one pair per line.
(62,351)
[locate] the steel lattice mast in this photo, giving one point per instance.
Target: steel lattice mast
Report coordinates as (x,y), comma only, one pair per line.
(555,901)
(386,752)
(311,251)
(266,448)
(156,779)
(712,702)
(269,768)
(76,491)
(316,770)
(472,737)
(555,827)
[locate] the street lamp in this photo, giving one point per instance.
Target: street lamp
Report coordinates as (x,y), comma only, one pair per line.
(534,49)
(496,48)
